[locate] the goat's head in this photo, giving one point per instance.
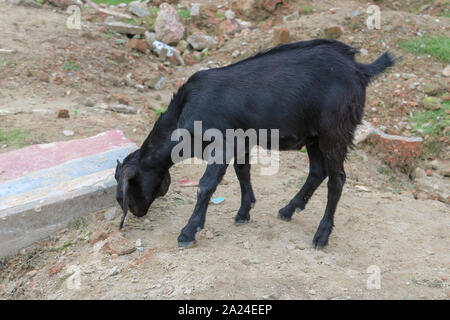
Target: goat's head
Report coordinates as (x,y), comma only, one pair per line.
(138,186)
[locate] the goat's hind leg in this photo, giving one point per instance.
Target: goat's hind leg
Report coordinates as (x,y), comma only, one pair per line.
(334,163)
(247,196)
(317,174)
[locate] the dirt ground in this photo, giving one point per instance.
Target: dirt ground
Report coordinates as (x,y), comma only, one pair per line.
(378,225)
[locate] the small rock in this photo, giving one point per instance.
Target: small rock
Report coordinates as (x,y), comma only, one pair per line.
(122,108)
(433,88)
(150,36)
(292,17)
(56,269)
(68,133)
(195,10)
(41,75)
(63,114)
(117,55)
(157,82)
(229,14)
(312,292)
(125,28)
(281,36)
(118,244)
(138,11)
(333,32)
(230,26)
(246,261)
(182,45)
(431,103)
(419,173)
(200,41)
(89,103)
(97,236)
(408,76)
(121,98)
(247,245)
(111,214)
(137,44)
(446,71)
(363,52)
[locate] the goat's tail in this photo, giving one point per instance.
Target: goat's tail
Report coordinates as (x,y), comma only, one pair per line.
(385,61)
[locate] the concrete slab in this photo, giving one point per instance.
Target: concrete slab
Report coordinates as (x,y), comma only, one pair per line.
(43,187)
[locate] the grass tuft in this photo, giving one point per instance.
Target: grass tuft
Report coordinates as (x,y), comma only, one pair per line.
(437,47)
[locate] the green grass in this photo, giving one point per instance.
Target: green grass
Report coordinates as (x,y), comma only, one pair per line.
(432,122)
(6,63)
(430,125)
(308,10)
(437,47)
(71,66)
(218,15)
(184,13)
(14,137)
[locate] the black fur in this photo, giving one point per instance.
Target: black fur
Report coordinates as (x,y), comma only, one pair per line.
(313,92)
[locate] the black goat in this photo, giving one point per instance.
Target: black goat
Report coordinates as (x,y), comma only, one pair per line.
(312,91)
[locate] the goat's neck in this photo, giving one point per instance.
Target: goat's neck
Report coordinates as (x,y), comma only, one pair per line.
(157,147)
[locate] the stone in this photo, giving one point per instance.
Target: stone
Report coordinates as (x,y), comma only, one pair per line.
(182,45)
(200,41)
(446,71)
(433,88)
(419,173)
(168,27)
(229,14)
(292,17)
(230,26)
(137,44)
(431,103)
(165,51)
(112,214)
(280,36)
(122,108)
(63,114)
(150,36)
(333,32)
(68,133)
(56,269)
(117,244)
(41,75)
(125,28)
(157,82)
(195,10)
(117,55)
(97,236)
(121,98)
(138,11)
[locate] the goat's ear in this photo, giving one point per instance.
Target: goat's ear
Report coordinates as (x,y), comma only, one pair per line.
(129,174)
(164,186)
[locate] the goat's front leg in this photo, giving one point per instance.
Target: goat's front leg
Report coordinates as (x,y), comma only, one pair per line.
(207,185)
(247,196)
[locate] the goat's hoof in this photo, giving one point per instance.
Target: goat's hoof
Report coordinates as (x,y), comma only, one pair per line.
(284,218)
(240,221)
(320,240)
(186,244)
